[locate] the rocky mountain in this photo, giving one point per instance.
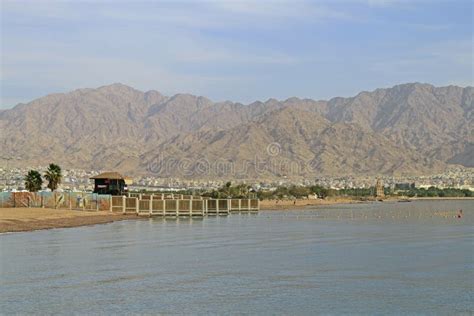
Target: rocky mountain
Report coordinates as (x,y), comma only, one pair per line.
(408,129)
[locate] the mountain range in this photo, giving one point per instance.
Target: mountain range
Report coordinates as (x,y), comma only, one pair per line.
(407,129)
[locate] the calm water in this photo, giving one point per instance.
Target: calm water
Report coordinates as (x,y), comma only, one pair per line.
(384,258)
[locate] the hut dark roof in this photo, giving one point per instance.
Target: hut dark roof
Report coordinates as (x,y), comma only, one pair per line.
(109,175)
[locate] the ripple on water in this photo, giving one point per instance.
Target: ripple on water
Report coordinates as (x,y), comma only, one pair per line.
(396,257)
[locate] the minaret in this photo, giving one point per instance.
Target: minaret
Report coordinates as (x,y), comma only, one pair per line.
(379,193)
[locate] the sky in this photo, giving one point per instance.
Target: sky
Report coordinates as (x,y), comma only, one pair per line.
(238,50)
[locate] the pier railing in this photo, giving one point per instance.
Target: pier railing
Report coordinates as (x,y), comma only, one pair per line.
(182,207)
(164,196)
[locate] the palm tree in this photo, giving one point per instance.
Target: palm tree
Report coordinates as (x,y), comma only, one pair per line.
(53,175)
(33,181)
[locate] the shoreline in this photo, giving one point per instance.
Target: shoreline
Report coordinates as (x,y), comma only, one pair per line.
(278,205)
(290,205)
(13,220)
(440,198)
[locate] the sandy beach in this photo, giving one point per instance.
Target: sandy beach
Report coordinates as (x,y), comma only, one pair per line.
(269,205)
(298,204)
(29,219)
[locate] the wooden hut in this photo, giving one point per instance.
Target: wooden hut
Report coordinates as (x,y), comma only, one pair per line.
(110,183)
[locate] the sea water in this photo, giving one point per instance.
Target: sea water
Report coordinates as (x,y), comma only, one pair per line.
(379,258)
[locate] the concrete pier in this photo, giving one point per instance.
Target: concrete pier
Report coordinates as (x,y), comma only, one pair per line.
(171,206)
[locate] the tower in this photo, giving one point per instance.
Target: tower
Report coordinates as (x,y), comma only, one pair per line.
(379,192)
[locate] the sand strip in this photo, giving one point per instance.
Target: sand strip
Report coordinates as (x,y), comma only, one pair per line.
(298,204)
(29,219)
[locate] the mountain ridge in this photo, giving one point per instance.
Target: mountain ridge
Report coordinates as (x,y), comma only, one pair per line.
(410,128)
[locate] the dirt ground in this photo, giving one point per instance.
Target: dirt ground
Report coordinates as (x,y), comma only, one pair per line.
(28,219)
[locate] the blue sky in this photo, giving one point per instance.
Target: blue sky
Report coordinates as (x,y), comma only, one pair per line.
(239,50)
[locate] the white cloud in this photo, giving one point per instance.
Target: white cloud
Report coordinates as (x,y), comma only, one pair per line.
(205,13)
(429,27)
(390,3)
(282,9)
(426,61)
(204,47)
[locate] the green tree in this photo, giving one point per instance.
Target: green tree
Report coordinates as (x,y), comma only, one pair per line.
(299,192)
(320,191)
(33,181)
(53,175)
(265,195)
(281,192)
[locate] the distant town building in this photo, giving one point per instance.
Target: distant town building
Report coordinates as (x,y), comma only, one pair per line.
(110,183)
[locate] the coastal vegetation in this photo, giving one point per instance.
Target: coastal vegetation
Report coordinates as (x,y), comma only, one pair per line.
(302,192)
(240,191)
(33,181)
(436,192)
(53,175)
(229,191)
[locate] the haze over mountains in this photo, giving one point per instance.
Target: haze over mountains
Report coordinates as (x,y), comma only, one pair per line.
(408,129)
